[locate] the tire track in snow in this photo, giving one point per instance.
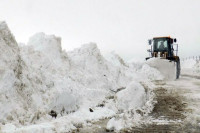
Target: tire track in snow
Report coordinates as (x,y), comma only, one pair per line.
(168,112)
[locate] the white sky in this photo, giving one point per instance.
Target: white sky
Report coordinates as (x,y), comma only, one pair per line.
(123,26)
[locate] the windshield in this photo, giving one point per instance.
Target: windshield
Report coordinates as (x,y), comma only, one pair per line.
(160,45)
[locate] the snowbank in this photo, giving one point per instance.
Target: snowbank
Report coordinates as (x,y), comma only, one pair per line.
(31,81)
(9,71)
(80,85)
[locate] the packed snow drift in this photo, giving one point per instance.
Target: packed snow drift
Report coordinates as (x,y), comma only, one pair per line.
(43,88)
(165,67)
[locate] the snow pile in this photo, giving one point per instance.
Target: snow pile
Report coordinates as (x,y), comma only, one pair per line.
(146,71)
(80,85)
(132,112)
(103,74)
(151,73)
(31,83)
(45,74)
(131,98)
(165,67)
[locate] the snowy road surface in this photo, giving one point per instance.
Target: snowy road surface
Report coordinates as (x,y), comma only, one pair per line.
(176,110)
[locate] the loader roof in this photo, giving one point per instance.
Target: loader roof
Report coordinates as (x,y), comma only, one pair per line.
(162,37)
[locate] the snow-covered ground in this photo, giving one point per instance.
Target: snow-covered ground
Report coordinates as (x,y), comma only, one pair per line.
(188,88)
(80,86)
(191,67)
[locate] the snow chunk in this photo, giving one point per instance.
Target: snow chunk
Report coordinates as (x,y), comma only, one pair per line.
(115,125)
(132,97)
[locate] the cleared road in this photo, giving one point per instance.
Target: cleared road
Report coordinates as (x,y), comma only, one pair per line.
(176,110)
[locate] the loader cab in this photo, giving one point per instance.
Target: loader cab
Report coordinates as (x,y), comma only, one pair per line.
(162,47)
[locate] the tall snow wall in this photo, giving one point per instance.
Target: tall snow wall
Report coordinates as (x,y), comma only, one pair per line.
(39,77)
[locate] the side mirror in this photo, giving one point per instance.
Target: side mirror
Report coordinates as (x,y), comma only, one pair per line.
(150,42)
(175,40)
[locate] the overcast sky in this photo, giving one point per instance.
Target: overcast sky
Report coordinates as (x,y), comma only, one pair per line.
(123,26)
